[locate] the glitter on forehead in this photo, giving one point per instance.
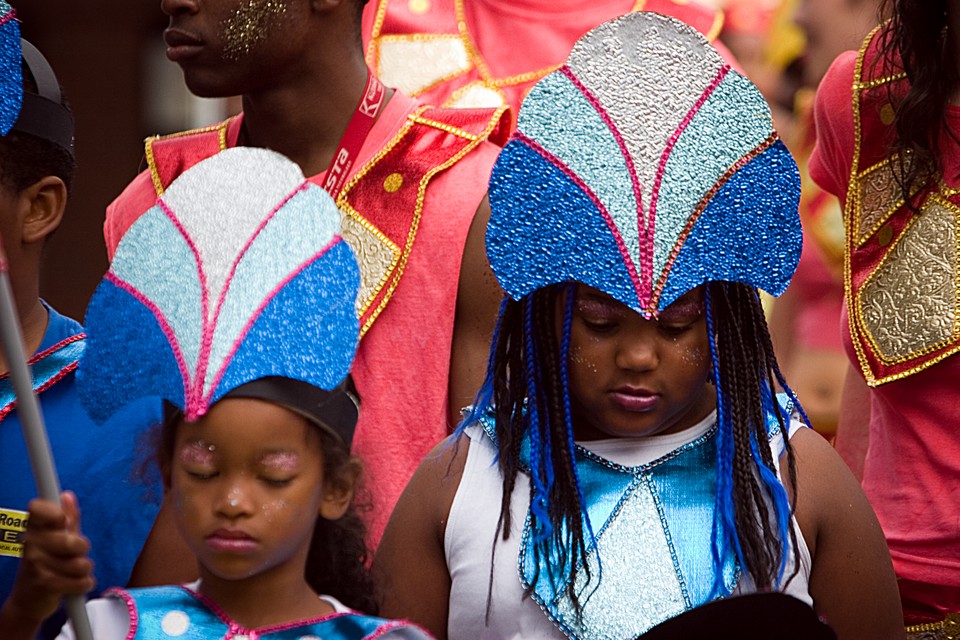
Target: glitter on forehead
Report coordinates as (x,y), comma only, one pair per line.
(645,113)
(239,273)
(249,25)
(11,76)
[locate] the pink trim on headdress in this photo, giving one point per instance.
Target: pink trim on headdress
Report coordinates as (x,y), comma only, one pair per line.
(559,164)
(209,327)
(234,626)
(255,316)
(392,626)
(164,326)
(665,156)
(646,254)
(192,394)
(7,17)
(701,206)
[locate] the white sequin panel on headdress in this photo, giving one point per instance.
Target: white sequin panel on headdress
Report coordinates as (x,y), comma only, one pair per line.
(632,72)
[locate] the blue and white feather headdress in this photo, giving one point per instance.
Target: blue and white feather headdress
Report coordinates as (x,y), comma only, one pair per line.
(238,273)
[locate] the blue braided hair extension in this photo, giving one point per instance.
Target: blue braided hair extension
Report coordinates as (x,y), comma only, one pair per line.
(541,467)
(569,290)
(724,525)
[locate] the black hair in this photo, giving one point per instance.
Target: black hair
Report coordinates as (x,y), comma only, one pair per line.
(915,40)
(526,388)
(26,159)
(338,559)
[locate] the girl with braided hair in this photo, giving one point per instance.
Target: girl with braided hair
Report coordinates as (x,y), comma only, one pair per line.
(628,455)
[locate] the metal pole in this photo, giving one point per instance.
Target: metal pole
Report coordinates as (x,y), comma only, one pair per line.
(31,421)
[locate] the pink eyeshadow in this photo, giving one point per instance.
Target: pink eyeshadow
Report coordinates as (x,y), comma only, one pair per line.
(286,461)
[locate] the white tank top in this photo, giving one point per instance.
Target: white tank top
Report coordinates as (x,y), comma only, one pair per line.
(472,522)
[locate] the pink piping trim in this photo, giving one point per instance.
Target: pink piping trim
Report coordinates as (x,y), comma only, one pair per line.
(662,166)
(234,626)
(131,609)
(701,207)
(37,357)
(10,16)
(393,625)
(209,328)
(192,393)
(646,257)
(164,326)
(555,161)
(46,385)
(263,304)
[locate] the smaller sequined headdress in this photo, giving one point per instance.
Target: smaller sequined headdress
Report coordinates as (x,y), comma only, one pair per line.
(236,282)
(39,114)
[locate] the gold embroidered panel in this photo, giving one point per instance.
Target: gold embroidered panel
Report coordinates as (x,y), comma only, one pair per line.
(908,306)
(417,62)
(376,255)
(879,198)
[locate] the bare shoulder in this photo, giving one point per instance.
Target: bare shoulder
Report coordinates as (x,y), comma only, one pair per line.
(410,563)
(852,582)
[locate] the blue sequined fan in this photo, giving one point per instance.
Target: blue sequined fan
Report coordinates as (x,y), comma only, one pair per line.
(11,74)
(238,273)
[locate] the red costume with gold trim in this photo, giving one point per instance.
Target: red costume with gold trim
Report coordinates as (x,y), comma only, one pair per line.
(406,210)
(473,53)
(902,279)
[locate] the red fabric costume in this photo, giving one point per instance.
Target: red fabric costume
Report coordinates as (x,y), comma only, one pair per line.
(902,290)
(406,209)
(486,53)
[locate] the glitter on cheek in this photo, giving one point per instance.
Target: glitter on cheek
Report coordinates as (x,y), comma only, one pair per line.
(249,25)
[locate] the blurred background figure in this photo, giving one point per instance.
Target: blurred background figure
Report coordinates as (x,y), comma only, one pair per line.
(487,53)
(805,321)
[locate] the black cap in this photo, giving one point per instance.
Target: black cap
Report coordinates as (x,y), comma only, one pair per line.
(42,114)
(335,411)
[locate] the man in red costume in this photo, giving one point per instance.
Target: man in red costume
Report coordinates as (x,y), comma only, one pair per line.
(410,182)
(487,53)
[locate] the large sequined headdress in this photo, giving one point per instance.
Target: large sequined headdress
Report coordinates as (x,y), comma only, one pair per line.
(644,167)
(39,114)
(237,274)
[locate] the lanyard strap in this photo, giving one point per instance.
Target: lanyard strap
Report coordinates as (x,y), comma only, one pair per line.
(359,126)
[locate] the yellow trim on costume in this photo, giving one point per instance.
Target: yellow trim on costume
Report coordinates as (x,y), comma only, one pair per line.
(362,306)
(220,128)
(460,133)
(394,275)
(860,236)
(851,216)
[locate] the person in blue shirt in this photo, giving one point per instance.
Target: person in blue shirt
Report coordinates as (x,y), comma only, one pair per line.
(99,464)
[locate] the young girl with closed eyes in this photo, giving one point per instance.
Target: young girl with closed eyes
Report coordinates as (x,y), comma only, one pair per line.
(247,330)
(628,457)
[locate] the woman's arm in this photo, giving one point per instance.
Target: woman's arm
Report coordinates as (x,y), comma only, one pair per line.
(851,579)
(410,563)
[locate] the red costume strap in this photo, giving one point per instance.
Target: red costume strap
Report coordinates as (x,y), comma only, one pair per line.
(383,202)
(903,315)
(364,116)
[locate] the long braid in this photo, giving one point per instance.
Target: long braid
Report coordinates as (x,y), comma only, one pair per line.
(746,366)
